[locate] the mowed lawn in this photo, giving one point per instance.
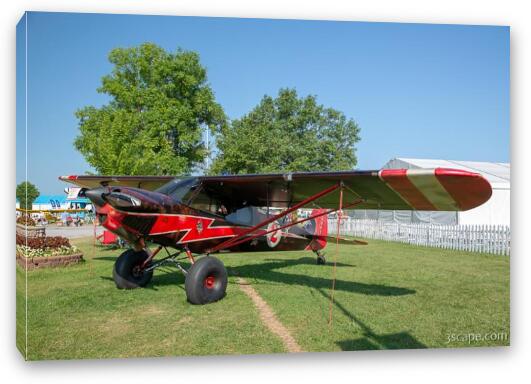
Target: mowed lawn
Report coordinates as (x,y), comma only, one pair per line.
(387,296)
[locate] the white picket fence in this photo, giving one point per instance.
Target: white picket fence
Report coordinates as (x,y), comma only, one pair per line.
(475,238)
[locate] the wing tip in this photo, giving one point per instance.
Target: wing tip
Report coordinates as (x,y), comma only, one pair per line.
(465,189)
(469,189)
(68,178)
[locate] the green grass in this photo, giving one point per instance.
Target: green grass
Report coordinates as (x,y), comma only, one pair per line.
(388,295)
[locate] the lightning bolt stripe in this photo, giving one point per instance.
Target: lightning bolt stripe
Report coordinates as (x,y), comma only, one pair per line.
(196,228)
(207,230)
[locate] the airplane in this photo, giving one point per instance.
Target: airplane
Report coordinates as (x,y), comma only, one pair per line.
(196,217)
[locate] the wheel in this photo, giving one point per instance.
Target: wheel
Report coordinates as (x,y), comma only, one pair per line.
(321,260)
(206,281)
(127,273)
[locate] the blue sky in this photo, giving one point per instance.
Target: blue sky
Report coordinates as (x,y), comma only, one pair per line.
(416,90)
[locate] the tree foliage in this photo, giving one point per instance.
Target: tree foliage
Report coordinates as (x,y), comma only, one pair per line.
(160,104)
(26,194)
(287,133)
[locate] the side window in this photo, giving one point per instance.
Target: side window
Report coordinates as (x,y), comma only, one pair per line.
(242,216)
(205,203)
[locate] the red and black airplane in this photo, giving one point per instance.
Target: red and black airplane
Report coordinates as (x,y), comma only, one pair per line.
(205,215)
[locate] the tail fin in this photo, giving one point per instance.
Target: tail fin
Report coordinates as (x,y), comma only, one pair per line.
(319,228)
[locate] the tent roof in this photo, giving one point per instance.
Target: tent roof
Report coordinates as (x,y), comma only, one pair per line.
(45,199)
(498,174)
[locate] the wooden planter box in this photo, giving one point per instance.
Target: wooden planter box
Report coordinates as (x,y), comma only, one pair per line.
(50,261)
(22,230)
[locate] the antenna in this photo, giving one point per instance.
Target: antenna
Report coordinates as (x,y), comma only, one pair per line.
(207,159)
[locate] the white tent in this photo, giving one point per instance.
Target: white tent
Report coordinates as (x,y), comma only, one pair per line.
(495,211)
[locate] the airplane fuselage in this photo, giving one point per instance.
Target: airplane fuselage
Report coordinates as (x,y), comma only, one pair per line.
(135,214)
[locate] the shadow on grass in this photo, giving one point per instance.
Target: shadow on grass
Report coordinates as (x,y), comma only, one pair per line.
(305,260)
(401,340)
(371,340)
(167,277)
(267,271)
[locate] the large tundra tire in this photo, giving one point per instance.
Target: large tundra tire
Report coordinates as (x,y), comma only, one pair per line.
(127,272)
(206,281)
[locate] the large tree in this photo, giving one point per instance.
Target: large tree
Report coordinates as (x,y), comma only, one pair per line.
(26,194)
(160,103)
(287,133)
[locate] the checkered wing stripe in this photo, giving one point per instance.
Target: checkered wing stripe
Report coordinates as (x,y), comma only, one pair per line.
(438,189)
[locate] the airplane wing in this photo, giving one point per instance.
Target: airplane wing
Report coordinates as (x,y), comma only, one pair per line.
(144,182)
(439,189)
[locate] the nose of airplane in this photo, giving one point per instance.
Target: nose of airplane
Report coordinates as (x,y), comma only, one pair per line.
(124,200)
(129,199)
(96,195)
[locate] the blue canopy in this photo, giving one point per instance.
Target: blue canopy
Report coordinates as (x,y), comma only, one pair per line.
(53,200)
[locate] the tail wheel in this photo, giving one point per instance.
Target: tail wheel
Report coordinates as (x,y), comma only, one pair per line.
(206,281)
(128,272)
(321,259)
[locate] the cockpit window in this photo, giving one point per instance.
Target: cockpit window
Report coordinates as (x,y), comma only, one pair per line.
(189,191)
(180,189)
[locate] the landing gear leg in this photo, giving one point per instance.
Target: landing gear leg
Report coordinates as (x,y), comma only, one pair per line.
(205,281)
(321,259)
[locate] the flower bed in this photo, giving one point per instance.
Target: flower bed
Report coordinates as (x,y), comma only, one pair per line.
(34,252)
(26,220)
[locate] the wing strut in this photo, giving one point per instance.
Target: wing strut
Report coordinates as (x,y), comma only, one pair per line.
(251,234)
(228,243)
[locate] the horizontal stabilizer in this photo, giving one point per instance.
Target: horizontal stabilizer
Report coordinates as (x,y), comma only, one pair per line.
(342,240)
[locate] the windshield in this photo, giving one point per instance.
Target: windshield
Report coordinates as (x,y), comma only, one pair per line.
(189,191)
(179,189)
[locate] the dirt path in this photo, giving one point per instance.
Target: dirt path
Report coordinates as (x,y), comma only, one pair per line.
(269,318)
